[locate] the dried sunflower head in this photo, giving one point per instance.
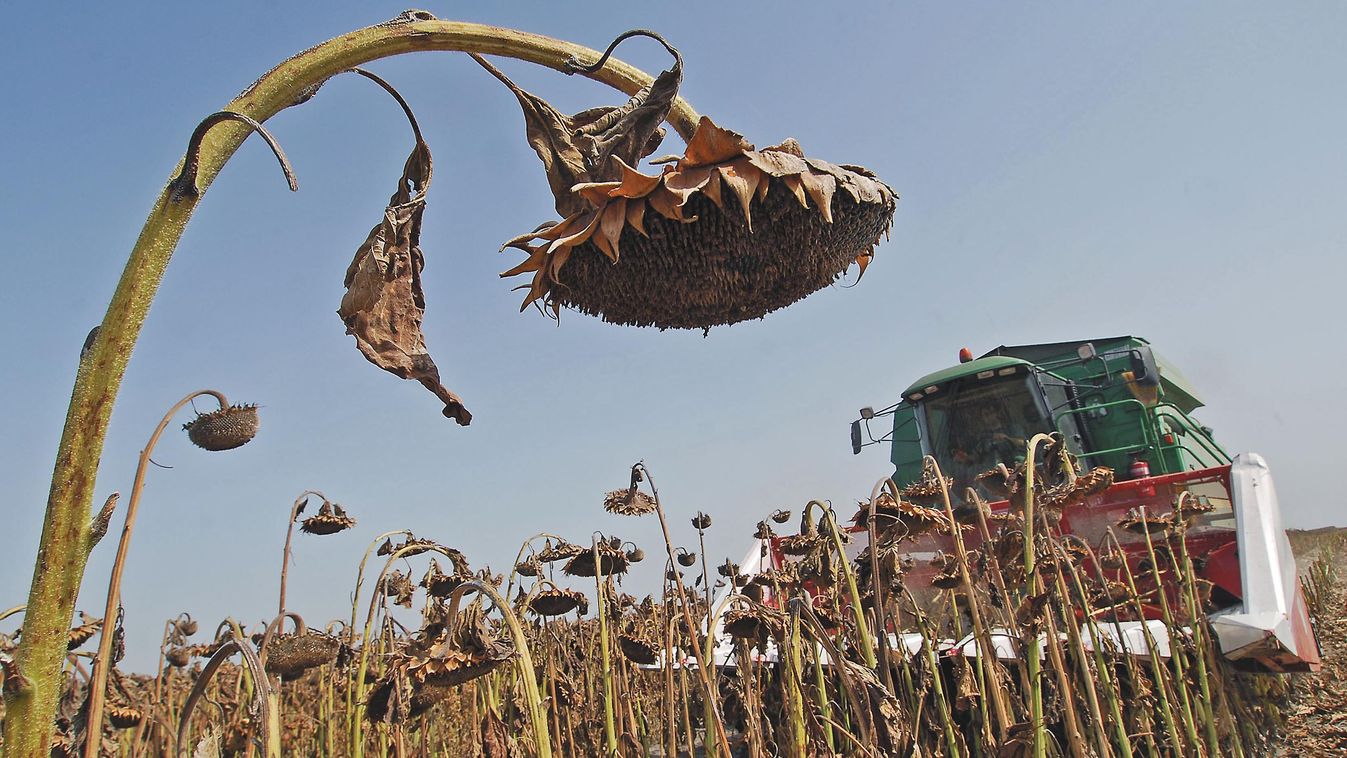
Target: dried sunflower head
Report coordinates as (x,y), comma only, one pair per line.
(1138,522)
(185,625)
(86,629)
(124,716)
(1188,508)
(441,585)
(927,490)
(686,558)
(530,566)
(638,648)
(729,569)
(1110,594)
(610,560)
(560,551)
(1112,560)
(290,655)
(629,502)
(900,518)
(780,516)
(687,251)
(1073,493)
(755,623)
(224,429)
(330,519)
(555,601)
(469,650)
(701,521)
(1000,482)
(764,531)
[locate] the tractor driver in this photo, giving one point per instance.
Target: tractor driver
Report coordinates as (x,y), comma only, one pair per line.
(1006,440)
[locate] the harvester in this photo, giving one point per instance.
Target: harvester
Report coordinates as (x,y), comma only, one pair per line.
(1114,405)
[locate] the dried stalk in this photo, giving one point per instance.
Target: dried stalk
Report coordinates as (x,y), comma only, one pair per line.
(103,662)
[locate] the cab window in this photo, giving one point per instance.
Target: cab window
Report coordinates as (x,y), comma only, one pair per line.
(974,425)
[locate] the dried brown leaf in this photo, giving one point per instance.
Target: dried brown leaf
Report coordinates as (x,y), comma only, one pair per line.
(581,148)
(384,304)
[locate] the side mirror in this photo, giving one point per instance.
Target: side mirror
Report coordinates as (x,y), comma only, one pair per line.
(867,413)
(1086,352)
(1145,372)
(856,438)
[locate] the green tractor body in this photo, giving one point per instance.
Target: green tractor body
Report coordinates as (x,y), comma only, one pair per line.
(1114,400)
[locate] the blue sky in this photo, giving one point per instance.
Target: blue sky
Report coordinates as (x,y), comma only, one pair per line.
(1065,172)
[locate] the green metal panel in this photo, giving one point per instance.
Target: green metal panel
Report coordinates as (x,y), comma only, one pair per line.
(1119,425)
(907,451)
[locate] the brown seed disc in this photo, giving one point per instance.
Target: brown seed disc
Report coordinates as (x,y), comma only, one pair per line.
(947,581)
(224,429)
(638,650)
(715,271)
(443,585)
(583,564)
(326,523)
(557,602)
(290,655)
(124,717)
(467,670)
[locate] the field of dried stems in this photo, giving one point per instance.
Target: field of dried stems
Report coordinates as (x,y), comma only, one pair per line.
(553,657)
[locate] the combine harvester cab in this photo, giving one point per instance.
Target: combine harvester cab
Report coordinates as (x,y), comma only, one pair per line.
(1115,404)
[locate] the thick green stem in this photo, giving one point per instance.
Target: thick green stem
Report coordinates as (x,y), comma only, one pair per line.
(63,549)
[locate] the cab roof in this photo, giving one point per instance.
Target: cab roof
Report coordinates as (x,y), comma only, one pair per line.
(971,368)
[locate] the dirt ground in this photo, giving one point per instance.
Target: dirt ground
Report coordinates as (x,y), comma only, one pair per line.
(1315,709)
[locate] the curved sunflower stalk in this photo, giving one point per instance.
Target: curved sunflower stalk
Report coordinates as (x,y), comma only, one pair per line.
(358,709)
(705,659)
(987,661)
(352,696)
(523,660)
(864,639)
(265,704)
(228,427)
(1032,592)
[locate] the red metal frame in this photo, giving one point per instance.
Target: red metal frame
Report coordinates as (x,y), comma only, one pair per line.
(1211,541)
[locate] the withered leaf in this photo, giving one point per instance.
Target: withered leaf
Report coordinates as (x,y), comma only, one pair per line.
(384,304)
(580,149)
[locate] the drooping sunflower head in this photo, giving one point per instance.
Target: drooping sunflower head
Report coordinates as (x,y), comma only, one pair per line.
(224,429)
(721,234)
